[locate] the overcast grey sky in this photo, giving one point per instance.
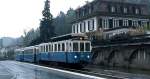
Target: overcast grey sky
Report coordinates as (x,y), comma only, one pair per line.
(19,15)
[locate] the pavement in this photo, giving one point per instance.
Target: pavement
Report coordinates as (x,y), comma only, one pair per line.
(4,73)
(19,70)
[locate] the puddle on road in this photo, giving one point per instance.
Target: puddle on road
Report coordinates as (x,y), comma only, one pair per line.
(40,74)
(6,76)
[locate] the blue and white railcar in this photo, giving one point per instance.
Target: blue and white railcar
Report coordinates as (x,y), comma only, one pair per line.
(19,54)
(31,54)
(44,50)
(28,54)
(68,51)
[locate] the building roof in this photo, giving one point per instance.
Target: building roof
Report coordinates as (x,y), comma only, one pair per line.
(67,37)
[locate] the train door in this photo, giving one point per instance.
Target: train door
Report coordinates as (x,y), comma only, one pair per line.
(49,51)
(35,52)
(66,51)
(22,55)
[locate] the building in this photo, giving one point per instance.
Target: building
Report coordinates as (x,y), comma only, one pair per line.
(106,21)
(110,15)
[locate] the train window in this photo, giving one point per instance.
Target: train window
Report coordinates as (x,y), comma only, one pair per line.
(52,48)
(81,46)
(87,45)
(49,48)
(29,51)
(59,47)
(32,51)
(37,50)
(70,47)
(75,47)
(66,46)
(43,49)
(63,47)
(40,48)
(46,48)
(55,47)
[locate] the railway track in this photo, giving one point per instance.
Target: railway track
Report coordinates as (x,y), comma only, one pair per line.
(88,72)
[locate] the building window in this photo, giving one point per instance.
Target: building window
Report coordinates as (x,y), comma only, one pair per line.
(100,23)
(105,23)
(73,29)
(79,13)
(93,24)
(148,24)
(81,27)
(83,12)
(110,23)
(77,27)
(137,11)
(120,23)
(84,27)
(116,23)
(130,23)
(135,23)
(125,10)
(91,7)
(139,23)
(125,23)
(88,25)
(90,10)
(113,9)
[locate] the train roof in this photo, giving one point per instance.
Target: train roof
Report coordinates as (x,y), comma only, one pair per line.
(68,36)
(31,47)
(27,48)
(21,49)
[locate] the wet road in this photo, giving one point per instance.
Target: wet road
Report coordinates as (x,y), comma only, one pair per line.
(4,73)
(18,70)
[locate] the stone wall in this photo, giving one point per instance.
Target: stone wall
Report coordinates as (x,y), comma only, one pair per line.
(134,56)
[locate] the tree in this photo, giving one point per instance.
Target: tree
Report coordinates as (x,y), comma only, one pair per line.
(70,16)
(60,23)
(63,22)
(46,27)
(30,36)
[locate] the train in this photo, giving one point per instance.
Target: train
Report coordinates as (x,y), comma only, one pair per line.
(68,49)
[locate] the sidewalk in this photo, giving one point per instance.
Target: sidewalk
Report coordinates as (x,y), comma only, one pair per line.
(4,74)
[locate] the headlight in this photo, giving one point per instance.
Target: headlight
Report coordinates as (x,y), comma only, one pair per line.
(88,56)
(75,57)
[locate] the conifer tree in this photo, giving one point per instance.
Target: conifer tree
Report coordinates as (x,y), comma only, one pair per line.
(46,27)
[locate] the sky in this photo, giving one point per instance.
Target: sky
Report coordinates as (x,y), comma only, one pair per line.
(17,16)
